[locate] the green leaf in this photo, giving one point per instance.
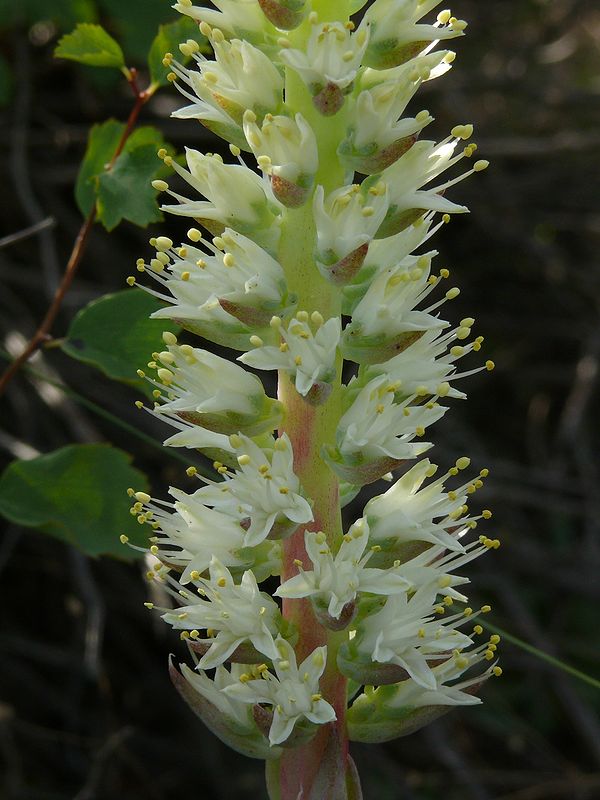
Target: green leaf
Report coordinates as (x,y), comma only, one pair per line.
(166,41)
(77,494)
(102,143)
(92,45)
(116,335)
(125,191)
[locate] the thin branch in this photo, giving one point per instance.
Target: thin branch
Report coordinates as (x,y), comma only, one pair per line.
(43,332)
(32,230)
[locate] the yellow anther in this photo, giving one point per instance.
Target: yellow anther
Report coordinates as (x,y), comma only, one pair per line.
(298,361)
(154,550)
(160,186)
(463,463)
(488,655)
(123,538)
(243,460)
(444,273)
(468,611)
(477,629)
(448,601)
(163,243)
(284,490)
(452,293)
(420,430)
(221,582)
(489,365)
(479,166)
(165,375)
(486,609)
(497,671)
(443,389)
(256,341)
(444,16)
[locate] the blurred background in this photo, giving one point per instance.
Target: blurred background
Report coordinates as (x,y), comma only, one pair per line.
(87,711)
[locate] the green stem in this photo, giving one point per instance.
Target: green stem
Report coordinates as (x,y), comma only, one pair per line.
(309,427)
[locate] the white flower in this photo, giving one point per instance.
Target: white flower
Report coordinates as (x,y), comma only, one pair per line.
(412,510)
(338,579)
(419,166)
(408,632)
(374,426)
(346,219)
(236,612)
(409,694)
(374,114)
(212,690)
(396,35)
(332,56)
(191,534)
(240,274)
(293,691)
(242,17)
(234,194)
(207,390)
(263,489)
(308,356)
(388,307)
(286,148)
(241,77)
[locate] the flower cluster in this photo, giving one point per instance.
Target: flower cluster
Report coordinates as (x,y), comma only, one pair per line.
(317,255)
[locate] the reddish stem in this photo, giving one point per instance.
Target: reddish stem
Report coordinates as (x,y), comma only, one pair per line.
(42,334)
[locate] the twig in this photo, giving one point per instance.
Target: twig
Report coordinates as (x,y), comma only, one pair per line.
(43,332)
(32,230)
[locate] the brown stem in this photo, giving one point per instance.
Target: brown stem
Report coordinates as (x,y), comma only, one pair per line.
(42,334)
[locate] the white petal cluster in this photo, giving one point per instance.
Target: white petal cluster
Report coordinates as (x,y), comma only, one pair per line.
(264,490)
(408,177)
(293,691)
(409,633)
(399,20)
(332,56)
(200,382)
(187,534)
(307,350)
(412,510)
(284,147)
(375,426)
(213,690)
(233,613)
(337,580)
(238,272)
(347,218)
(388,307)
(392,581)
(235,196)
(241,17)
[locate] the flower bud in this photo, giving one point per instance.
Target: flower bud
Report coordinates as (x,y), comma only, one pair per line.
(284,14)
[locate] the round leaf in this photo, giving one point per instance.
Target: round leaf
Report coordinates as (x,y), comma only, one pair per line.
(79,495)
(92,45)
(116,335)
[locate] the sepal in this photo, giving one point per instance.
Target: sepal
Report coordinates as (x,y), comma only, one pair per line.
(325,619)
(375,348)
(285,15)
(266,419)
(361,669)
(355,468)
(371,158)
(247,741)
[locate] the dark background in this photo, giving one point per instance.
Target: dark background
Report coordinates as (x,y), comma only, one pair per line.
(86,708)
